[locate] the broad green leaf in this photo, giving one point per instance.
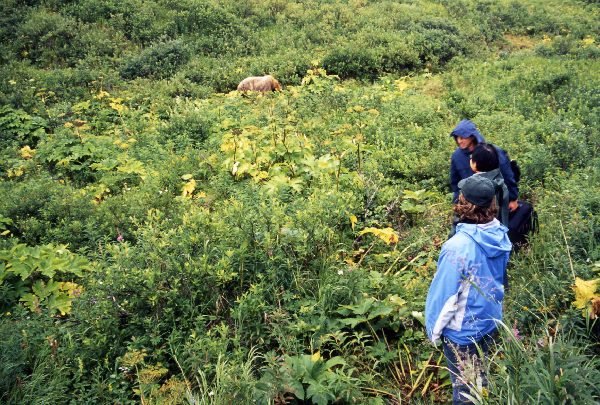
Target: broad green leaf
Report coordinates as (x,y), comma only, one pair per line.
(132,166)
(396,300)
(319,394)
(60,302)
(23,270)
(353,322)
(335,361)
(44,290)
(296,388)
(381,309)
(31,301)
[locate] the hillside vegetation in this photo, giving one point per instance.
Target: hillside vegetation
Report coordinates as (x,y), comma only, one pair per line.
(165,239)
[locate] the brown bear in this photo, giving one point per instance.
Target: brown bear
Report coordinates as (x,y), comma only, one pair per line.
(259,83)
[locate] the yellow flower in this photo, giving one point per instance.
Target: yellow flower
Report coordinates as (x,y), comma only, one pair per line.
(585,293)
(388,235)
(27,152)
(588,41)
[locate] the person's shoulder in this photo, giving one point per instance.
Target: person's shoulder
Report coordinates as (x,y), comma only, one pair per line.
(494,175)
(458,240)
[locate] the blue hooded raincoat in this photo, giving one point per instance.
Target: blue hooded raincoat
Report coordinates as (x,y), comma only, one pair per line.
(465,297)
(460,167)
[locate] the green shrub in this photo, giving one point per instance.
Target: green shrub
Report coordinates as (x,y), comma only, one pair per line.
(352,62)
(48,38)
(45,211)
(158,61)
(17,128)
(289,67)
(212,29)
(35,90)
(188,129)
(10,19)
(438,41)
(144,22)
(400,57)
(91,11)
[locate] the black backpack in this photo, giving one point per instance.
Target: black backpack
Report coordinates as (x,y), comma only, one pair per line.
(521,223)
(516,169)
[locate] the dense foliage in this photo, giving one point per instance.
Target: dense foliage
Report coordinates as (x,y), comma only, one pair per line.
(166,240)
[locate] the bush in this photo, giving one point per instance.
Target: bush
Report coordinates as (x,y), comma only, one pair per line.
(48,38)
(157,62)
(91,11)
(9,20)
(17,128)
(352,62)
(438,41)
(37,90)
(400,57)
(44,211)
(222,77)
(289,67)
(187,129)
(144,22)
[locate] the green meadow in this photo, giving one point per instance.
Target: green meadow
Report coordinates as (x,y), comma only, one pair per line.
(165,239)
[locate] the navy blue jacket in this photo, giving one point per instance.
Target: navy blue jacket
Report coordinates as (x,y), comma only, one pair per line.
(460,167)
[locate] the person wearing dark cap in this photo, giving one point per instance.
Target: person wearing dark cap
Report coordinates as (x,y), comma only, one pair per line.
(485,162)
(464,302)
(467,137)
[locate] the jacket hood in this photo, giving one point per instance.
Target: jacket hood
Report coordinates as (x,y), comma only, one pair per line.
(465,129)
(492,237)
(494,175)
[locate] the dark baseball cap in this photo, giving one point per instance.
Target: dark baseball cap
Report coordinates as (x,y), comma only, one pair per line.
(478,190)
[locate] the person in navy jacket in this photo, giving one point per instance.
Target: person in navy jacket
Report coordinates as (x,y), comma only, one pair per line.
(464,301)
(467,137)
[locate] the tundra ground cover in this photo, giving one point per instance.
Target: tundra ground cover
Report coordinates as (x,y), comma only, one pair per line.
(165,240)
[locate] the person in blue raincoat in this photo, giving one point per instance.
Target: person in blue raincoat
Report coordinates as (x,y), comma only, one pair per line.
(464,302)
(467,137)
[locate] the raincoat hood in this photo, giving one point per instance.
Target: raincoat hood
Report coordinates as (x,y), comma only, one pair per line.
(465,129)
(491,237)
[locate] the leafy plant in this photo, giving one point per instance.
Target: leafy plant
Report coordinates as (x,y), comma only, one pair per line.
(309,378)
(553,368)
(18,129)
(32,275)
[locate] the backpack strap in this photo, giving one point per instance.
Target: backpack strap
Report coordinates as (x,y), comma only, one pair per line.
(516,169)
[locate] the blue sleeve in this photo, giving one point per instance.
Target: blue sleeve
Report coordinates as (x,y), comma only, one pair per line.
(508,175)
(442,298)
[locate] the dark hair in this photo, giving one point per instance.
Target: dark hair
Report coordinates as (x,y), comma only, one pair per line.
(485,157)
(472,213)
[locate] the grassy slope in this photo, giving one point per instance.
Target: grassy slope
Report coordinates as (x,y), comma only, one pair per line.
(235,285)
